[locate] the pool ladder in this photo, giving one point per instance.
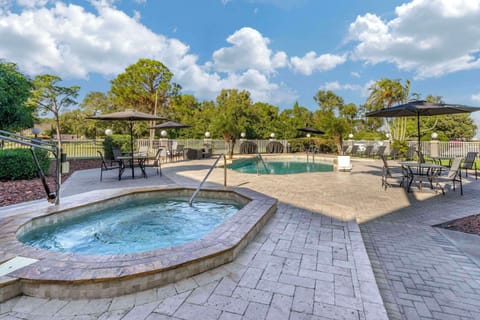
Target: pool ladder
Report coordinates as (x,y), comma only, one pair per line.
(259,158)
(208,174)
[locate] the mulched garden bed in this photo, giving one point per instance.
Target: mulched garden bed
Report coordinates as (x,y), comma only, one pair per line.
(13,192)
(470,224)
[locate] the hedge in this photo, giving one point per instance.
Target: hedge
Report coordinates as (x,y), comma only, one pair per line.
(323,145)
(117,141)
(18,164)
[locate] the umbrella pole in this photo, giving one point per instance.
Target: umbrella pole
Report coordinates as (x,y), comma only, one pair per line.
(418,132)
(131,148)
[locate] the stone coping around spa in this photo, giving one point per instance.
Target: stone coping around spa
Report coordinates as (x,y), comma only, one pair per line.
(68,268)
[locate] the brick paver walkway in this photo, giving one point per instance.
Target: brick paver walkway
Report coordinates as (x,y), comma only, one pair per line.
(310,261)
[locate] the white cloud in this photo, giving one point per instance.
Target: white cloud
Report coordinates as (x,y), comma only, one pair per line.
(249,50)
(476,97)
(337,86)
(355,74)
(32,3)
(311,62)
(429,37)
(71,42)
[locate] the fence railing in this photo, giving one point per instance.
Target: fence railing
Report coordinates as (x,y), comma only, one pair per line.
(87,149)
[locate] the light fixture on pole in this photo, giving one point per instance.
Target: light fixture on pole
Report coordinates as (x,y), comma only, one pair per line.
(243,134)
(308,135)
(108,132)
(434,135)
(163,133)
(36,131)
(207,134)
(272,135)
(350,136)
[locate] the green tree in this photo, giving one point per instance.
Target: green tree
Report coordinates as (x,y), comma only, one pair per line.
(49,97)
(384,94)
(292,119)
(333,116)
(95,103)
(144,86)
(14,92)
(231,117)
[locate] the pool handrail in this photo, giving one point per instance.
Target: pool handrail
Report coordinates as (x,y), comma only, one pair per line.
(208,174)
(259,157)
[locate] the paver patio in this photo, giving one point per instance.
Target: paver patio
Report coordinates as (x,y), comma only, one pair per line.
(310,261)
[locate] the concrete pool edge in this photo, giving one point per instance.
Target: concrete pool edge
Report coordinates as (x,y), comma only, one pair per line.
(70,276)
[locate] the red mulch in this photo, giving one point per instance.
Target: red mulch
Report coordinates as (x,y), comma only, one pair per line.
(12,192)
(470,224)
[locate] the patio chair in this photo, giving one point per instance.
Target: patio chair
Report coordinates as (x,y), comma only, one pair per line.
(394,153)
(470,164)
(379,152)
(179,152)
(347,151)
(399,174)
(105,167)
(156,163)
(410,155)
(142,150)
(453,175)
(421,158)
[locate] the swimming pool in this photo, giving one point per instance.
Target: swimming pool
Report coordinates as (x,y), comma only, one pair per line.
(136,226)
(278,166)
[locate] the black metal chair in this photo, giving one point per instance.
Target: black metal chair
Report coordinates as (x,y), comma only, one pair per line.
(156,163)
(470,164)
(105,167)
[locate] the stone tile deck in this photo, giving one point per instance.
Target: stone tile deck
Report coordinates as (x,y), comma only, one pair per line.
(310,260)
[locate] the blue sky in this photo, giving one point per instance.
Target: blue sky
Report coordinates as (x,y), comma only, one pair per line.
(282,51)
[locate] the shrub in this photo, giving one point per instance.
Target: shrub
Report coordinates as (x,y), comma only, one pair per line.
(17,164)
(322,144)
(117,141)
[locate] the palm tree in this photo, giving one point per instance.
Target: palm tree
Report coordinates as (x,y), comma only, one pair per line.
(385,93)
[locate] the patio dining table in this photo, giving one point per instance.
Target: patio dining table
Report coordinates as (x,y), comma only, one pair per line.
(129,161)
(421,171)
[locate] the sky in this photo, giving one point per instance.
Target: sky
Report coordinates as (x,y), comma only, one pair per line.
(281,51)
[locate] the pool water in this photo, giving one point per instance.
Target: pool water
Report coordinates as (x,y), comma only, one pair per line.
(278,166)
(141,225)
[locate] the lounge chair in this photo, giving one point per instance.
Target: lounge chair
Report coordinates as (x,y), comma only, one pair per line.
(354,151)
(397,173)
(248,147)
(453,175)
(105,167)
(470,164)
(274,147)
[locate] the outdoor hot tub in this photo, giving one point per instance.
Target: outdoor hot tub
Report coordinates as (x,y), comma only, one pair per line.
(55,270)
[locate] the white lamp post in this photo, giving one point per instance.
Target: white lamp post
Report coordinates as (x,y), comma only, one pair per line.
(36,131)
(163,133)
(108,132)
(243,134)
(272,135)
(308,135)
(207,134)
(434,135)
(350,136)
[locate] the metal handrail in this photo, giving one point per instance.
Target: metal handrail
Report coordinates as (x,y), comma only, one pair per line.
(34,144)
(208,174)
(259,157)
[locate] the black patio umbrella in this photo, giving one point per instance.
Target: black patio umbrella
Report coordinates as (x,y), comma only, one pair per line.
(310,130)
(129,115)
(418,108)
(170,125)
